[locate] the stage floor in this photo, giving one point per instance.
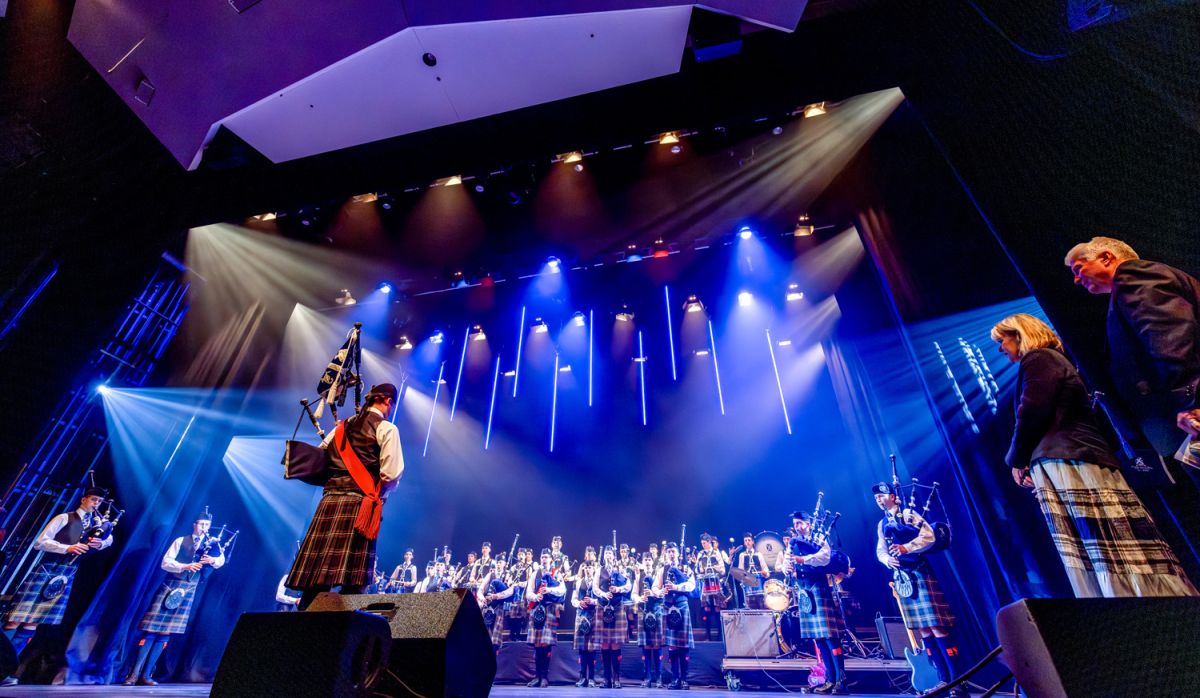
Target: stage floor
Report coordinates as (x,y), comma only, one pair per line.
(202,689)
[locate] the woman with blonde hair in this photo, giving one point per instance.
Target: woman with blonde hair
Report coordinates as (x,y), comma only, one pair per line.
(1105,537)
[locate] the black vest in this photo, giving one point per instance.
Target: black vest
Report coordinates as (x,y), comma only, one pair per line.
(186,554)
(361,432)
(70,534)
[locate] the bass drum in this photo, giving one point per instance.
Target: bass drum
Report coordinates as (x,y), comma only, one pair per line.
(771,546)
(786,626)
(776,596)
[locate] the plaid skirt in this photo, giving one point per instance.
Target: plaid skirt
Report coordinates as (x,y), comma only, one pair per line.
(1105,537)
(548,633)
(927,608)
(332,554)
(591,641)
(614,634)
(650,639)
(678,638)
(29,606)
(826,620)
(159,619)
(496,629)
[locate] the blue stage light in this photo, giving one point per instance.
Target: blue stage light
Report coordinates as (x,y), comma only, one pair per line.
(437,337)
(385,288)
(102,389)
(458,381)
(642,375)
(745,298)
(487,438)
(554,404)
(553,265)
(520,345)
(712,345)
(745,232)
(437,389)
(670,333)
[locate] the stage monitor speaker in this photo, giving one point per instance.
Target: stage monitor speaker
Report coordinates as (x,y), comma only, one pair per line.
(750,633)
(303,654)
(1102,647)
(892,636)
(440,645)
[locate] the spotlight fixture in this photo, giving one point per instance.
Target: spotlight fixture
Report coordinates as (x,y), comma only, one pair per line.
(479,188)
(794,293)
(263,217)
(368,198)
(458,279)
(344,298)
(510,373)
(777,130)
(564,369)
(578,318)
(804,226)
(815,109)
(487,280)
(387,205)
(745,232)
(692,304)
(405,344)
(540,326)
(103,389)
(452,181)
(632,254)
(553,264)
(745,298)
(477,334)
(385,288)
(784,342)
(639,359)
(660,249)
(624,314)
(669,138)
(437,337)
(676,149)
(572,157)
(579,167)
(701,352)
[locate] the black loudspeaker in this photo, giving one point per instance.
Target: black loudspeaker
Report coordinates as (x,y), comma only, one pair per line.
(303,654)
(750,633)
(440,645)
(892,636)
(1102,647)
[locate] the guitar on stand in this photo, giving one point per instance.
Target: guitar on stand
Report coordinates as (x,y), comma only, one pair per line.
(924,675)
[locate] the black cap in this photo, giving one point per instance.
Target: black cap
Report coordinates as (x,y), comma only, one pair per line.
(671,546)
(883,488)
(408,551)
(802,515)
(95,492)
(546,551)
(485,544)
(204,515)
(556,538)
(383,390)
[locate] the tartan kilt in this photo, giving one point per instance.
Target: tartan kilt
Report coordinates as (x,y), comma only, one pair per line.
(548,633)
(159,619)
(28,604)
(826,619)
(332,554)
(927,608)
(614,634)
(678,638)
(518,609)
(591,641)
(496,630)
(650,639)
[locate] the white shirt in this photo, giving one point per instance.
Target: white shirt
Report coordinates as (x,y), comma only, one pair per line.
(46,543)
(391,457)
(281,593)
(923,540)
(535,581)
(170,564)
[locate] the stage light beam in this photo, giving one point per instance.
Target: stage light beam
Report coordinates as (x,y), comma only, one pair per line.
(520,344)
(487,438)
(642,375)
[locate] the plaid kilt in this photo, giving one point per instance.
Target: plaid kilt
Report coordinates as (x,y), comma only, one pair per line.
(164,620)
(591,641)
(332,553)
(617,633)
(28,604)
(548,633)
(826,619)
(1105,537)
(927,608)
(496,629)
(650,639)
(678,638)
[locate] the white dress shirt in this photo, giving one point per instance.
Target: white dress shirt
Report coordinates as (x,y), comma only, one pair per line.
(282,595)
(170,564)
(46,543)
(924,539)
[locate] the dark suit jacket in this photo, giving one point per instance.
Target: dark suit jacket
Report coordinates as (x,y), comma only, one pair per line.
(1054,415)
(1154,346)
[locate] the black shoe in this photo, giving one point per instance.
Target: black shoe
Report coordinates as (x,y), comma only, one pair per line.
(683,685)
(658,682)
(674,685)
(582,682)
(646,683)
(606,683)
(840,689)
(616,683)
(147,681)
(825,688)
(543,684)
(534,684)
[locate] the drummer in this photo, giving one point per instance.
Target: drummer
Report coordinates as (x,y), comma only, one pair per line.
(754,570)
(710,568)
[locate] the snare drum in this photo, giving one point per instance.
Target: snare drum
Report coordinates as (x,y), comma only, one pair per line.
(776,595)
(710,585)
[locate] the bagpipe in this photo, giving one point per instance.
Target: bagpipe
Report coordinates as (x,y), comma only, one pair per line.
(101,527)
(210,546)
(676,575)
(537,609)
(898,530)
(616,578)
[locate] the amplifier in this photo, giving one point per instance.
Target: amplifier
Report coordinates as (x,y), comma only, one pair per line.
(750,633)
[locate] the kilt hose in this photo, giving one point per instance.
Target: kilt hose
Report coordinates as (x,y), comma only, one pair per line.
(927,607)
(651,639)
(29,606)
(825,620)
(332,553)
(548,633)
(1108,543)
(681,636)
(166,621)
(614,634)
(589,642)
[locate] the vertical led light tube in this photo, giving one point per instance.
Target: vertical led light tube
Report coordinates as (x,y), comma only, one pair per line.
(487,439)
(591,327)
(437,388)
(520,343)
(458,381)
(642,374)
(712,346)
(670,333)
(554,403)
(778,383)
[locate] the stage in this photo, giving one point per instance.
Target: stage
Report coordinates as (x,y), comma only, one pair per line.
(202,689)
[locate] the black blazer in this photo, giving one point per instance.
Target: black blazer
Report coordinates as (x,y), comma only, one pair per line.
(1153,334)
(1054,415)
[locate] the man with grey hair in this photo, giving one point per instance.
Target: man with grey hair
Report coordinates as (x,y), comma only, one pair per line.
(1153,333)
